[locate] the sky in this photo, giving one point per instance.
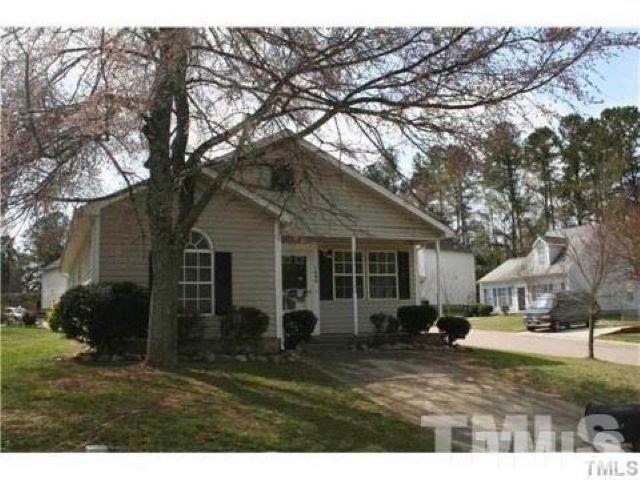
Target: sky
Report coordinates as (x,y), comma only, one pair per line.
(619,81)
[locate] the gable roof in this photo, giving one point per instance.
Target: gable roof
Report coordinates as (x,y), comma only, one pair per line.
(347,169)
(526,267)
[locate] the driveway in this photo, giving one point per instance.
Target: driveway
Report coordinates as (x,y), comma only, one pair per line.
(443,382)
(566,343)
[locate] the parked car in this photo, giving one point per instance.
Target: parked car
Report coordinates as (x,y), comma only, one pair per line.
(559,310)
(13,314)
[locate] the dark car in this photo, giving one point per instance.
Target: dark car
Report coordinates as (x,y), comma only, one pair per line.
(559,310)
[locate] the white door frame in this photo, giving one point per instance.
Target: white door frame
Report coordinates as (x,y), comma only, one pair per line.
(309,250)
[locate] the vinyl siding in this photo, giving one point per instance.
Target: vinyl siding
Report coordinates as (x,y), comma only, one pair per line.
(235,226)
(232,224)
(336,316)
(329,202)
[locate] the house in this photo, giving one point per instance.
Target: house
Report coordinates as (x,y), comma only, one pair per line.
(551,267)
(457,274)
(286,233)
(53,283)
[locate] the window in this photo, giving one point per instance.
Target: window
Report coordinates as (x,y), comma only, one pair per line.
(342,274)
(195,289)
(282,179)
(541,254)
(383,275)
(487,297)
(502,297)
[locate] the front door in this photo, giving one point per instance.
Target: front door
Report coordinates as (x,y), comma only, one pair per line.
(521,298)
(300,280)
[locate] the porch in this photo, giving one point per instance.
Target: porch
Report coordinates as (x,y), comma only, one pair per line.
(317,274)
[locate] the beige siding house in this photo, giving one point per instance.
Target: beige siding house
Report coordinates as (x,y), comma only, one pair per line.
(287,233)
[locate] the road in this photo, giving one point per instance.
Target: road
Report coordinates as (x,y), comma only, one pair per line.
(567,343)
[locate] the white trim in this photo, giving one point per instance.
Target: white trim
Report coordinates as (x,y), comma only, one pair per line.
(438,292)
(212,282)
(354,284)
(310,252)
(416,274)
(395,257)
(277,241)
(334,274)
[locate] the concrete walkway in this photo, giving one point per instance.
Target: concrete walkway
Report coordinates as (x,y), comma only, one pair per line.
(567,343)
(442,382)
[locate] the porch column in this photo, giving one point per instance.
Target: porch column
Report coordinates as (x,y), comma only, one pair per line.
(438,293)
(277,241)
(354,294)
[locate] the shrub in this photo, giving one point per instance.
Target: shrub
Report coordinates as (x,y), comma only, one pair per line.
(479,310)
(416,318)
(243,327)
(190,327)
(471,310)
(53,318)
(393,325)
(298,326)
(381,321)
(454,327)
(29,319)
(505,309)
(105,316)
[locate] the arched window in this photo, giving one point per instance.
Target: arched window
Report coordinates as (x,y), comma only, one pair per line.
(195,289)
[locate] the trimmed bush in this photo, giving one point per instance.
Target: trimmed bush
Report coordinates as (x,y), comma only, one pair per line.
(105,316)
(381,321)
(298,326)
(393,325)
(53,318)
(455,328)
(505,309)
(478,310)
(243,327)
(28,319)
(416,318)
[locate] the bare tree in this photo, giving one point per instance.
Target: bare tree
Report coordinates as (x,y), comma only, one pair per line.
(77,101)
(595,256)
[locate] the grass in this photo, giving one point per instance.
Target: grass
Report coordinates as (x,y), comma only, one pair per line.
(629,334)
(575,379)
(499,323)
(514,323)
(50,402)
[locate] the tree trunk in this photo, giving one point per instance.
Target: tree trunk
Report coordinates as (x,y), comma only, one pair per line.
(162,345)
(165,164)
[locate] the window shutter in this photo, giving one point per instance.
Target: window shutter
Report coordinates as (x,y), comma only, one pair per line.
(325,262)
(222,283)
(404,289)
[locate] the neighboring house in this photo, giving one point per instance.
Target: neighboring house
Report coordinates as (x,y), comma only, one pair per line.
(550,267)
(53,283)
(280,237)
(457,274)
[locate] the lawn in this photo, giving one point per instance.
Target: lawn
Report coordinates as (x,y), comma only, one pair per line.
(500,323)
(629,334)
(575,379)
(50,402)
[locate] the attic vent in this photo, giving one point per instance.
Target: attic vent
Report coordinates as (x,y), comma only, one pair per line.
(282,178)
